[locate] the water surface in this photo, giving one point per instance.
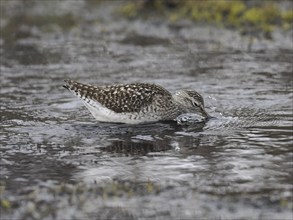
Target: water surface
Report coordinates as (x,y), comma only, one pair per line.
(58,162)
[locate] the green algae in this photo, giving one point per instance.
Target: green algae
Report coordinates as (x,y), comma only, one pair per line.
(250,17)
(5,204)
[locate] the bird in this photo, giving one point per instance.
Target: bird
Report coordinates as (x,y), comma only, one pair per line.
(136,103)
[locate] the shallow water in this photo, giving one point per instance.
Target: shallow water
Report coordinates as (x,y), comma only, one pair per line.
(58,162)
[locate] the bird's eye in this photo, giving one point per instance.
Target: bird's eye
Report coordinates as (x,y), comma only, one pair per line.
(195,104)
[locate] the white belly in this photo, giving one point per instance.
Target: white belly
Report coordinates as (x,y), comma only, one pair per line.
(103,114)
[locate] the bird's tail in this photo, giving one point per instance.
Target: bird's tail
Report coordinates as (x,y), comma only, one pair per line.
(79,89)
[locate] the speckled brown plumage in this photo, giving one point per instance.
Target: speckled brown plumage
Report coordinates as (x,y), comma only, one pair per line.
(120,98)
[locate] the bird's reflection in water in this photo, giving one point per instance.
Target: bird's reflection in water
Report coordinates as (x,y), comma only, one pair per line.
(143,139)
(152,142)
(139,148)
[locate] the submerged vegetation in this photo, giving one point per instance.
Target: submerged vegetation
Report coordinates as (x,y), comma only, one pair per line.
(250,17)
(40,202)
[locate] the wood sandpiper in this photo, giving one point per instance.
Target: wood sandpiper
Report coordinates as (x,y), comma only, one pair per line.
(137,102)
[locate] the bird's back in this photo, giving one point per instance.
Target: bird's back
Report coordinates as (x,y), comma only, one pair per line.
(120,98)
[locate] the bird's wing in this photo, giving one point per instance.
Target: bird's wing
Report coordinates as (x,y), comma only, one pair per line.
(120,98)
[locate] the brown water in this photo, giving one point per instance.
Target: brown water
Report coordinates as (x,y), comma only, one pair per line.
(57,162)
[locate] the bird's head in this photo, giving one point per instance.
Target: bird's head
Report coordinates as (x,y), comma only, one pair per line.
(190,102)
